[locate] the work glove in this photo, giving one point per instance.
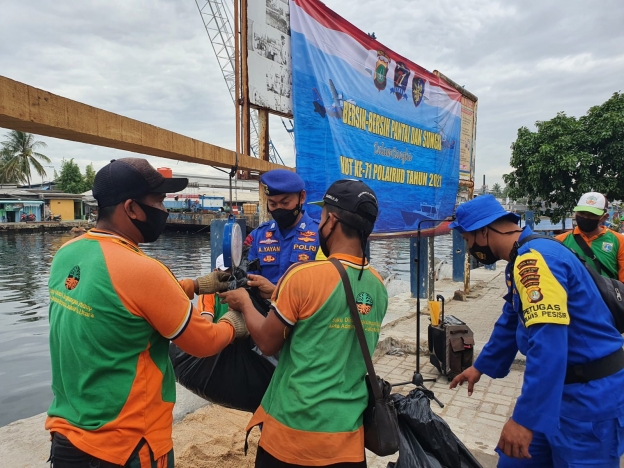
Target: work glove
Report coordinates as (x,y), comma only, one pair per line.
(214,282)
(237,320)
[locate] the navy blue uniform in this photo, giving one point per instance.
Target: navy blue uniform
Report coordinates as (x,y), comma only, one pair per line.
(554,315)
(279,250)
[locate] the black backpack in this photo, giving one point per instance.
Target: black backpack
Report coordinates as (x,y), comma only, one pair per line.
(611,290)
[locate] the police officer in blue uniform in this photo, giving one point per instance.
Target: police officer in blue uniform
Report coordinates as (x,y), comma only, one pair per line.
(571,409)
(291,237)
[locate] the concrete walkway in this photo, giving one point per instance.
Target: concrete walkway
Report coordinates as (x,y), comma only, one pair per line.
(476,420)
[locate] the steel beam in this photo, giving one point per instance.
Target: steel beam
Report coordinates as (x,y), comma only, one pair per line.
(34,110)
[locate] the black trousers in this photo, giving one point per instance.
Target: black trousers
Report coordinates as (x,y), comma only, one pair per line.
(265,460)
(63,454)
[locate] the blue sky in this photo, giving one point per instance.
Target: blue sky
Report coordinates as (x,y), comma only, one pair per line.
(151,60)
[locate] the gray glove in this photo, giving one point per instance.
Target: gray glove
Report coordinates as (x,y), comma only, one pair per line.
(237,320)
(214,282)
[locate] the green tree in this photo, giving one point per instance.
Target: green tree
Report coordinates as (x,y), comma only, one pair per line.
(70,180)
(19,154)
(497,191)
(89,177)
(567,156)
(6,176)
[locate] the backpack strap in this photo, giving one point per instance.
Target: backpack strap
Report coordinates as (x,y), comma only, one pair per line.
(589,253)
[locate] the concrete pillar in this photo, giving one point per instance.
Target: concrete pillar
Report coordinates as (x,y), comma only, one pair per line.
(459,256)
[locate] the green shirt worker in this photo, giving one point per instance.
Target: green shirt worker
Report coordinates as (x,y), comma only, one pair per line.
(311,414)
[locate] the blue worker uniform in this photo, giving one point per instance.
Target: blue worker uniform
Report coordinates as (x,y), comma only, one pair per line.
(554,315)
(277,250)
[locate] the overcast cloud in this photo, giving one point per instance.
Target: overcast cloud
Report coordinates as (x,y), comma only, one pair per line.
(151,60)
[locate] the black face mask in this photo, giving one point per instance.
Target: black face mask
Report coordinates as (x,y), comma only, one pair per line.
(483,253)
(286,218)
(154,224)
(323,240)
(586,224)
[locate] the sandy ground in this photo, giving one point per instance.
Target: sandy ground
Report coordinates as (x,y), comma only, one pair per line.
(214,437)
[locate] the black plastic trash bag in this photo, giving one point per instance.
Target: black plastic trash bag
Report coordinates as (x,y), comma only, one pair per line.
(237,377)
(426,440)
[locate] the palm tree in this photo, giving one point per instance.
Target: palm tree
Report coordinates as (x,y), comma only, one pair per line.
(497,191)
(18,154)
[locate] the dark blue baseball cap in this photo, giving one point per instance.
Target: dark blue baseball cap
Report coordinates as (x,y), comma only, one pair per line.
(480,212)
(281,182)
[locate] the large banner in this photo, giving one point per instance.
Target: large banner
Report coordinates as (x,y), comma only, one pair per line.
(364,112)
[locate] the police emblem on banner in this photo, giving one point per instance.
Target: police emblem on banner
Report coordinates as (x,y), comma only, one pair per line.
(381,70)
(418,90)
(401,77)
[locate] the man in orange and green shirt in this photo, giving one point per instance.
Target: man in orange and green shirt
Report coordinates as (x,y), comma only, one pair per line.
(209,305)
(311,414)
(113,312)
(607,246)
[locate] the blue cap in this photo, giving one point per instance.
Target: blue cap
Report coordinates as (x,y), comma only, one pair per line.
(280,182)
(480,212)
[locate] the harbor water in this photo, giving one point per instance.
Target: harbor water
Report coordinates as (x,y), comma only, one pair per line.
(24,270)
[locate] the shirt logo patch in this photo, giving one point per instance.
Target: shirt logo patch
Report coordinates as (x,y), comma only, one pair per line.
(306,239)
(308,234)
(364,303)
(269,259)
(73,278)
(607,246)
(302,226)
(268,234)
(303,257)
(535,295)
(268,241)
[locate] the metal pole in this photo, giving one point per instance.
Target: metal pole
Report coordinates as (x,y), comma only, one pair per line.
(263,153)
(237,78)
(245,80)
(418,227)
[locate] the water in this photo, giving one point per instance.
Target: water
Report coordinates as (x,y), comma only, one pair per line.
(24,270)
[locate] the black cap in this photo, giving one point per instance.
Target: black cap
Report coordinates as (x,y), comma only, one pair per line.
(353,196)
(129,178)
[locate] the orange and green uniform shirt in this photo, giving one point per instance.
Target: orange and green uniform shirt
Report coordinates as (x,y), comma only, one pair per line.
(210,304)
(113,311)
(607,246)
(312,411)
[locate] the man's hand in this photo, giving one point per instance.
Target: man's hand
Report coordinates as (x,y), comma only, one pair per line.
(264,285)
(237,321)
(213,282)
(515,440)
(470,375)
(237,300)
